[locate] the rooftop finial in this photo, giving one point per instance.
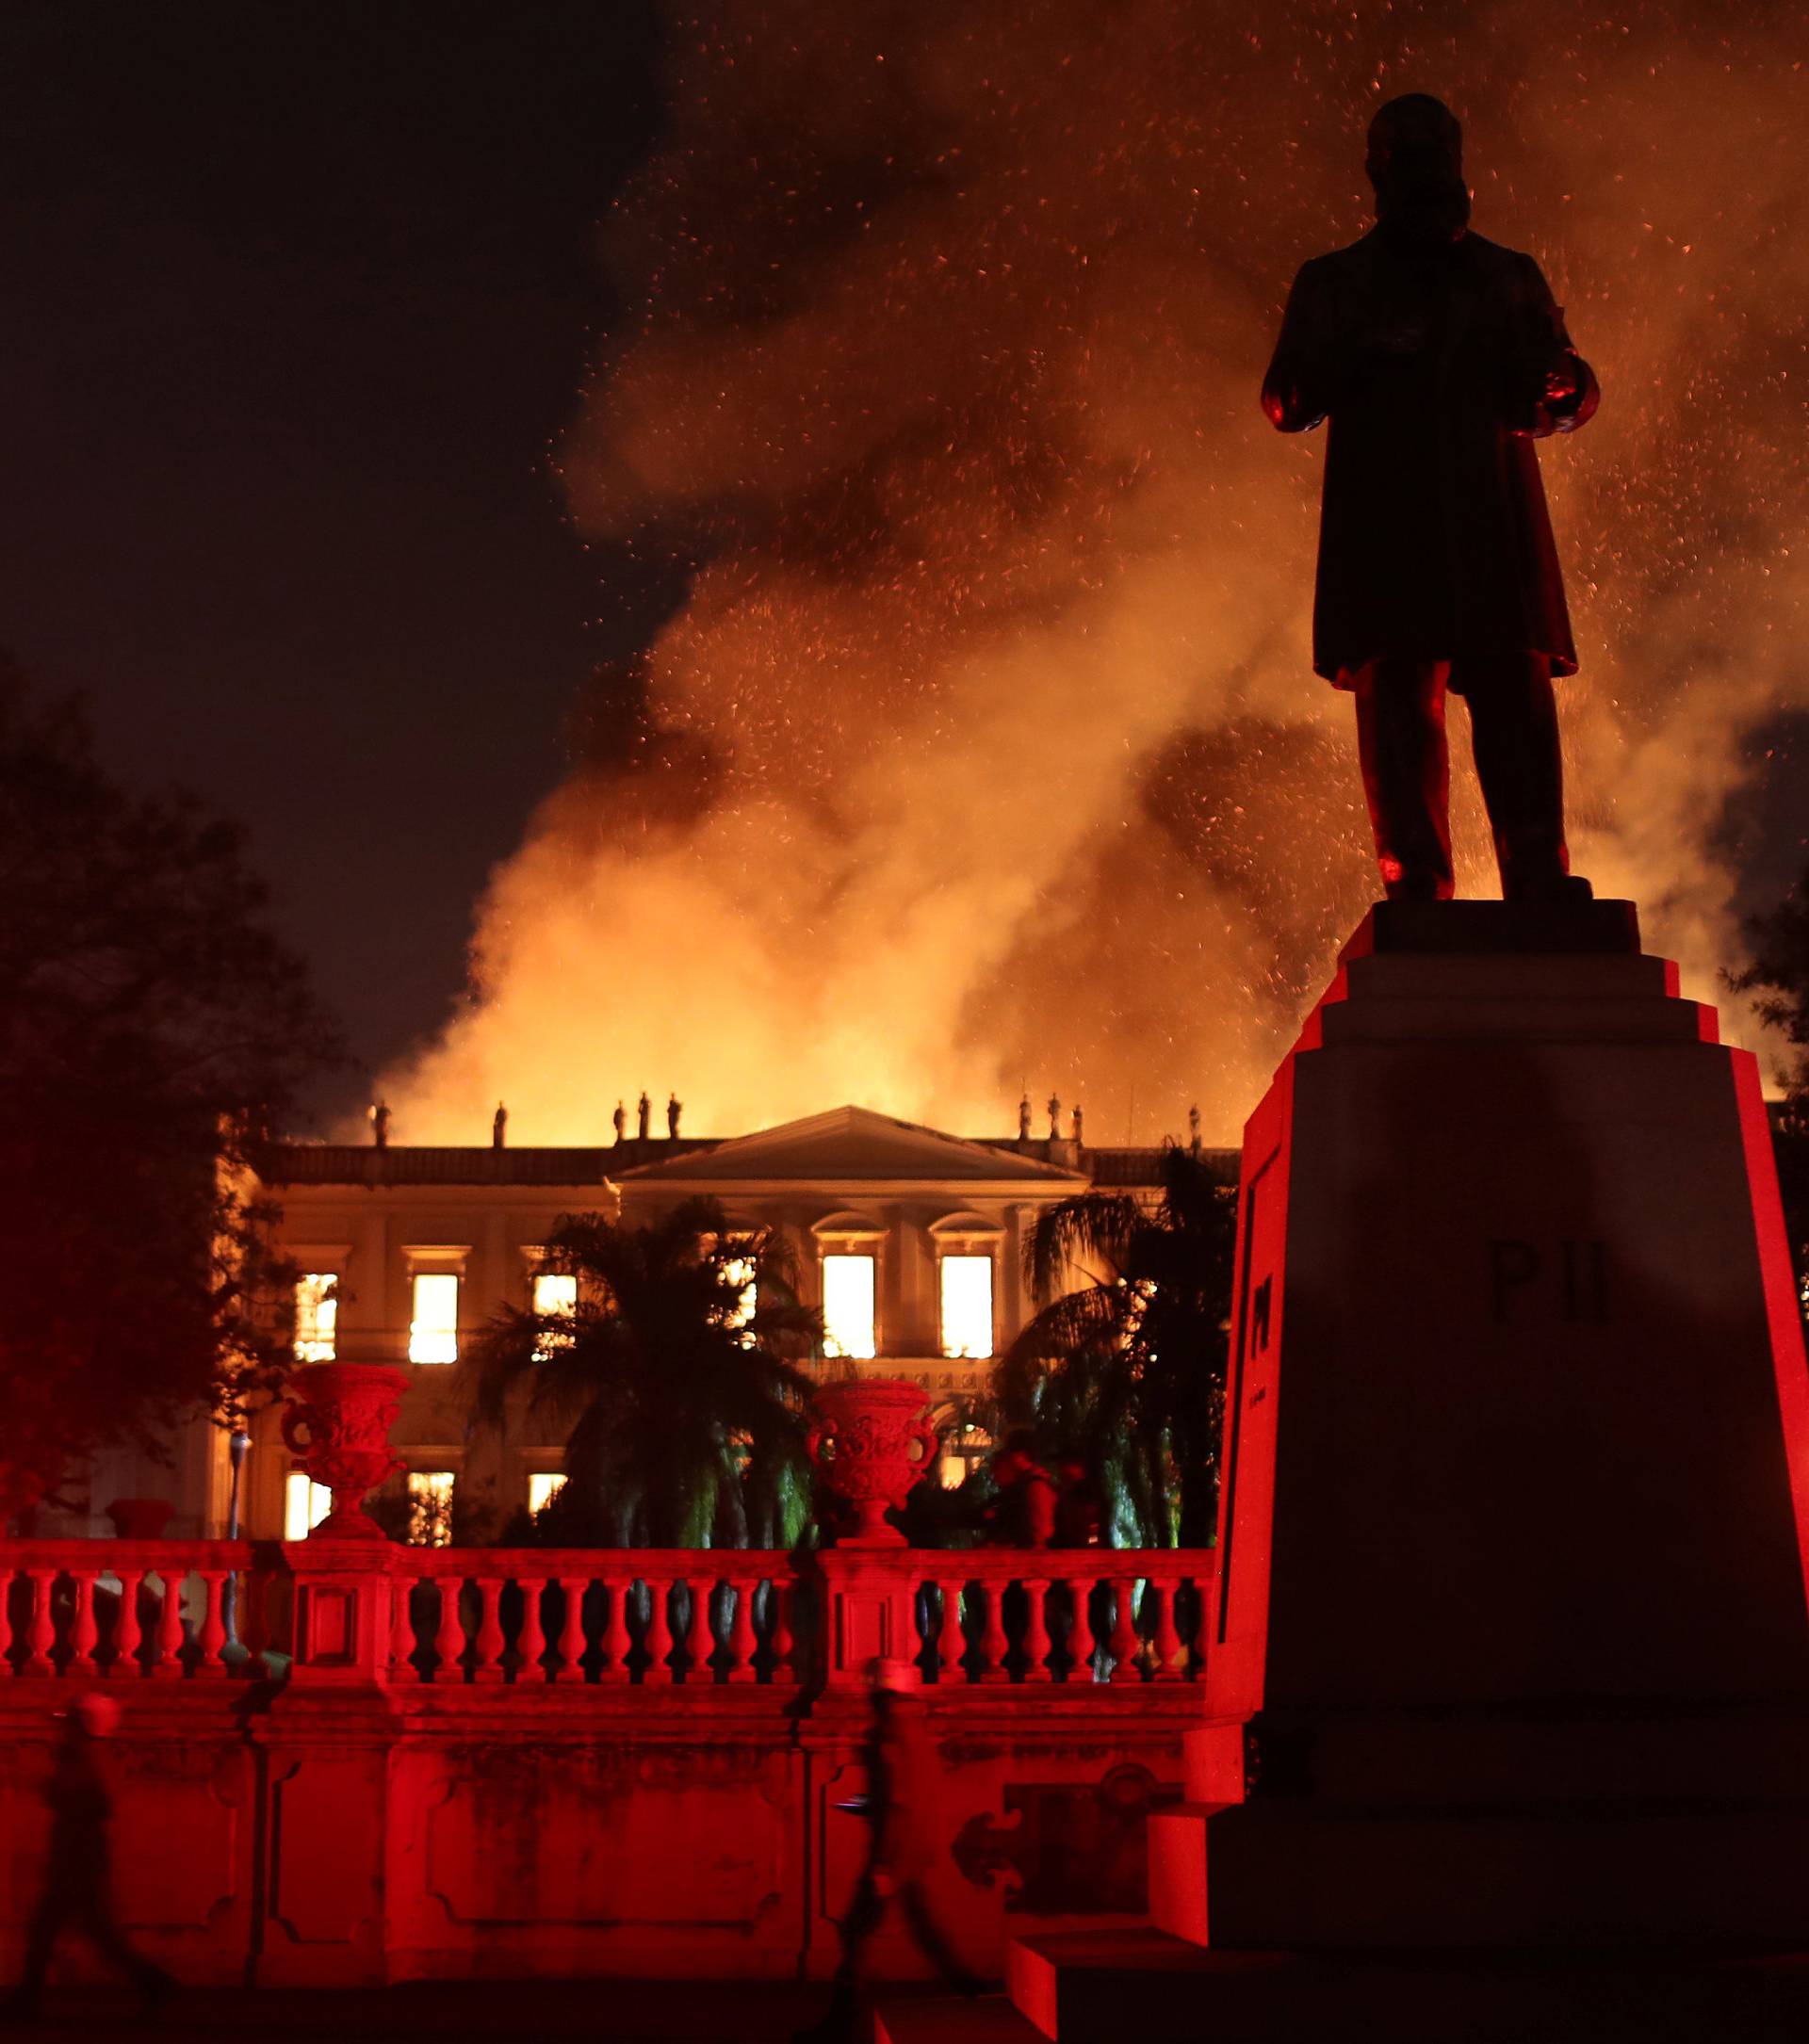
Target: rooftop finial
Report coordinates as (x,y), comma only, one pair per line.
(379,1112)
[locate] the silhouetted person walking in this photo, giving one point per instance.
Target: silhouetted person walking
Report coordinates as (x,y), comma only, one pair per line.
(79,1875)
(905,1807)
(1439,358)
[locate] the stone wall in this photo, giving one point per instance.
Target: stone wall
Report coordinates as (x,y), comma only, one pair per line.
(326,1810)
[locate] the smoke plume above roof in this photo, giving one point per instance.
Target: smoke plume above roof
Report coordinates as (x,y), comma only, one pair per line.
(986,749)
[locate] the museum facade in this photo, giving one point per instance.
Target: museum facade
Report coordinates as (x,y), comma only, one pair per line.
(910,1240)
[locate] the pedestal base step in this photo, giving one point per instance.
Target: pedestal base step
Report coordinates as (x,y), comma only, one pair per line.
(1310,1874)
(1099,1989)
(951,2020)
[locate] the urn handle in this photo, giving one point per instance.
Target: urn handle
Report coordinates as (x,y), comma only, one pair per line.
(295,1416)
(923,1432)
(822,1432)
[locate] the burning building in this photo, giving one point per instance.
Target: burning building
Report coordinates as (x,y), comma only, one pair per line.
(910,1240)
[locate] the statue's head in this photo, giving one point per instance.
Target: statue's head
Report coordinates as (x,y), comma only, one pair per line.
(1415,162)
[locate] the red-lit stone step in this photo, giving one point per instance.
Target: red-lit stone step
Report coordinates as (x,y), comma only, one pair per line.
(1067,1985)
(944,2019)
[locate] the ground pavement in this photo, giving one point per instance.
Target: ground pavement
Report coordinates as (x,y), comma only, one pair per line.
(443,2012)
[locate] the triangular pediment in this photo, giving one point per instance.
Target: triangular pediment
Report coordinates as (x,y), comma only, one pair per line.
(853,1146)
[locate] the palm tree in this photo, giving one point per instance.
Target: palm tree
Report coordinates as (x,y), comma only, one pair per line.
(1126,1372)
(673,1379)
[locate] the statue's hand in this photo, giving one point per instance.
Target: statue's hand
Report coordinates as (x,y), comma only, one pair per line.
(1562,384)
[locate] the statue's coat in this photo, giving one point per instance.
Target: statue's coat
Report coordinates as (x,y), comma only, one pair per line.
(1434,538)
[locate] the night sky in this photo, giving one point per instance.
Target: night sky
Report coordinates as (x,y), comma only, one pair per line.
(297,299)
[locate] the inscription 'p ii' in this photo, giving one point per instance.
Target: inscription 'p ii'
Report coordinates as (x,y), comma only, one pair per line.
(1564,1281)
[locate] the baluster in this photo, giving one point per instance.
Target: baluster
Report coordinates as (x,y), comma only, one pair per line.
(950,1642)
(571,1635)
(41,1638)
(533,1643)
(127,1633)
(993,1643)
(780,1643)
(166,1664)
(1035,1631)
(1199,1629)
(7,1670)
(1074,1638)
(618,1642)
(743,1642)
(489,1668)
(658,1639)
(212,1624)
(252,1617)
(86,1631)
(449,1638)
(1124,1632)
(402,1627)
(700,1639)
(1168,1648)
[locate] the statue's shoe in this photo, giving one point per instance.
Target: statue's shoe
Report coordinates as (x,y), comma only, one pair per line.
(1563,890)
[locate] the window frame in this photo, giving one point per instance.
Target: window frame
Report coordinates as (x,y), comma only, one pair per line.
(435,1259)
(852,1234)
(966,1234)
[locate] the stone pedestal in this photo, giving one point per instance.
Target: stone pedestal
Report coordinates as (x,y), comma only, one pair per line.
(1511,1646)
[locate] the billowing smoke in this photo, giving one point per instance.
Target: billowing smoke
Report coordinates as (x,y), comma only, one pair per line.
(986,748)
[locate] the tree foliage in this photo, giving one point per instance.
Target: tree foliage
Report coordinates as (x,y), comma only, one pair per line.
(1125,1372)
(152,1030)
(681,1413)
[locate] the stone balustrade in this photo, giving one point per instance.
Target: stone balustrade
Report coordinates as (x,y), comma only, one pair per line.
(124,1610)
(79,1609)
(386,1763)
(651,1616)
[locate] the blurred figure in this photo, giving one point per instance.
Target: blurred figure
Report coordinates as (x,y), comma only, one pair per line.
(78,1873)
(1023,1513)
(904,1804)
(1078,1510)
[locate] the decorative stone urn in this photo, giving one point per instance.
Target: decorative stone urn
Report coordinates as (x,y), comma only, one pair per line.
(347,1410)
(870,1441)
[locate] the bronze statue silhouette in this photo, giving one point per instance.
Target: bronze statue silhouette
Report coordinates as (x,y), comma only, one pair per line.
(1439,359)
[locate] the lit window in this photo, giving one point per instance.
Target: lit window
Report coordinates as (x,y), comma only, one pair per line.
(963,1450)
(316,1316)
(967,1305)
(544,1485)
(429,1508)
(555,1292)
(305,1503)
(434,1328)
(739,1271)
(848,1305)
